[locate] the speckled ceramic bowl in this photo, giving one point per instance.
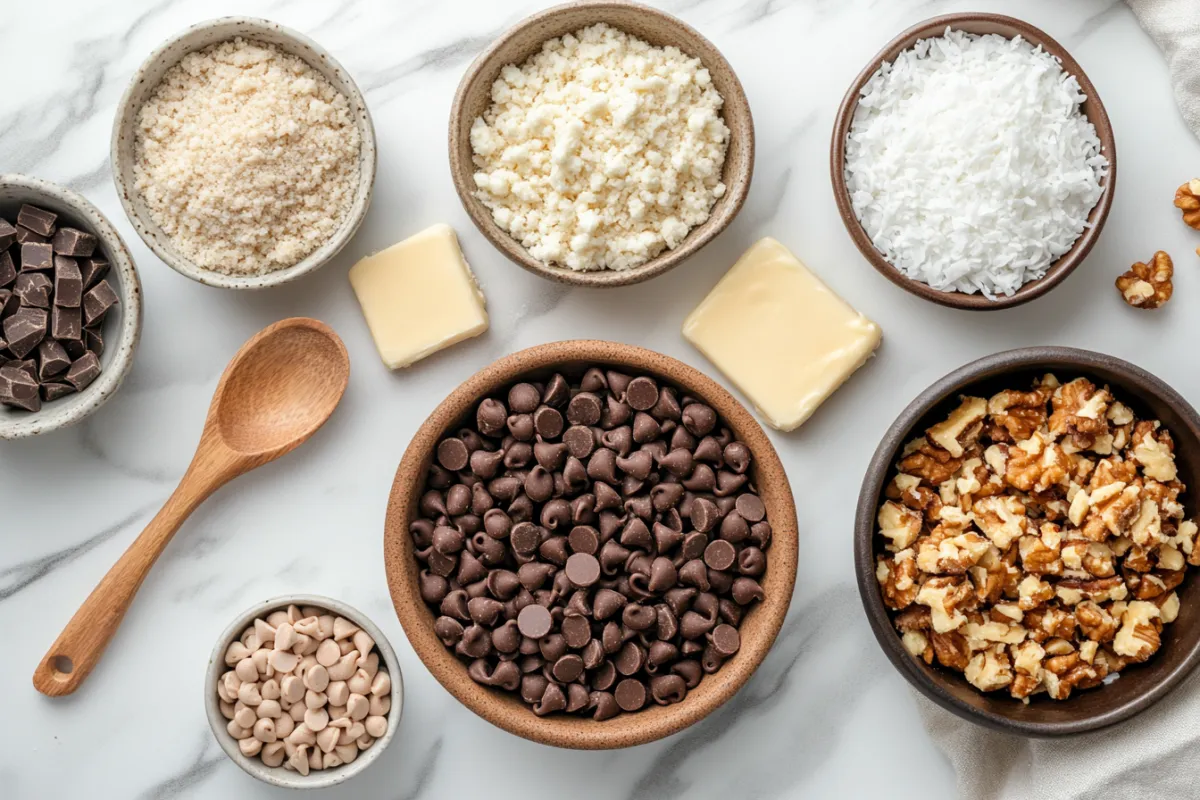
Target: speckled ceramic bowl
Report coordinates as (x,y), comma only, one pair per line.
(504,709)
(278,776)
(123,326)
(147,79)
(651,25)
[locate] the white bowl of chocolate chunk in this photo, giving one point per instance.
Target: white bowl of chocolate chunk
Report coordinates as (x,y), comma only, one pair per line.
(70,307)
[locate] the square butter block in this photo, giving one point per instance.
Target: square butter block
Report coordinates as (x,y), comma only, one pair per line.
(419,296)
(780,335)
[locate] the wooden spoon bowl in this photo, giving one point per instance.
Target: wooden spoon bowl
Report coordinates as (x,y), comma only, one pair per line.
(758,630)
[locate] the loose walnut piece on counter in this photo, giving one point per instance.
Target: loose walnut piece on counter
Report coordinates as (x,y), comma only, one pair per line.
(1187,200)
(1148,285)
(1033,541)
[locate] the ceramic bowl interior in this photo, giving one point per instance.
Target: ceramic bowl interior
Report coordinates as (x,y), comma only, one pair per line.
(147,79)
(1139,686)
(278,776)
(758,629)
(1092,108)
(122,327)
(651,25)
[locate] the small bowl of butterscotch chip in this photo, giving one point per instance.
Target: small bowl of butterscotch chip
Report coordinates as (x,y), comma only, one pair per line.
(1025,540)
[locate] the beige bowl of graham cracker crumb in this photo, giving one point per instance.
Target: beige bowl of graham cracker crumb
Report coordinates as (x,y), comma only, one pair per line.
(181,254)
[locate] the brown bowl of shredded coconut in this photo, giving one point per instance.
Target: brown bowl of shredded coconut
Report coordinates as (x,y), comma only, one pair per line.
(243,154)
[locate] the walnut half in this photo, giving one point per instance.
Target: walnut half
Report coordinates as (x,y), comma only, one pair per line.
(1187,200)
(1148,285)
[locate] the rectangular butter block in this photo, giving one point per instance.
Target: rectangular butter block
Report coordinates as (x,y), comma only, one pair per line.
(780,335)
(419,296)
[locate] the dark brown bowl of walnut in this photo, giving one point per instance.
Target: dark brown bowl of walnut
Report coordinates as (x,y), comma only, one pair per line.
(1024,539)
(591,545)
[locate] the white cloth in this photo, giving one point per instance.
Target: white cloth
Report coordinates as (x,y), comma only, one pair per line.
(1154,755)
(1174,25)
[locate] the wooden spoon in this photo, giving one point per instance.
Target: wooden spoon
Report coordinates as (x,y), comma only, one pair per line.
(279,388)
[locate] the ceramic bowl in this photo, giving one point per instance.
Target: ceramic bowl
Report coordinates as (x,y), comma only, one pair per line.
(278,776)
(123,326)
(1092,108)
(758,630)
(654,26)
(1139,686)
(147,79)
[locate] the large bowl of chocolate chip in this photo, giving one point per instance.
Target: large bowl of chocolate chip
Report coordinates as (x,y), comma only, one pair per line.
(70,307)
(591,545)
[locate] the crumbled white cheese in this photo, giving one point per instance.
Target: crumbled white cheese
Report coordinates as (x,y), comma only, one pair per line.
(601,150)
(969,162)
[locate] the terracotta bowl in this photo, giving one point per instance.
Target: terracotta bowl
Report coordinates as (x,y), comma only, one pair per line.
(147,79)
(654,26)
(122,328)
(1139,686)
(758,629)
(1092,108)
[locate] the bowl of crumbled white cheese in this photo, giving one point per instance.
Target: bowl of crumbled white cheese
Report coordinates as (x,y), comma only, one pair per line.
(601,143)
(973,162)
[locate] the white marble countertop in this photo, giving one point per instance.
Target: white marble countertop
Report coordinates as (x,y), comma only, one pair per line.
(825,716)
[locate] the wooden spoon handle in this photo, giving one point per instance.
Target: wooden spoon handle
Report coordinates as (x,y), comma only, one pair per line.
(78,648)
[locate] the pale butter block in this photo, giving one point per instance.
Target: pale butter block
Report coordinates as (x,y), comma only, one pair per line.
(780,334)
(419,296)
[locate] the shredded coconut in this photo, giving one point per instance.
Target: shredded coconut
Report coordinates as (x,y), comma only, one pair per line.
(970,164)
(601,150)
(246,157)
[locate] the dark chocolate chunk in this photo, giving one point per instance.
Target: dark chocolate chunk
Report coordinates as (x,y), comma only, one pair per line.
(8,270)
(83,371)
(26,236)
(25,330)
(36,256)
(52,359)
(66,325)
(8,234)
(75,347)
(9,304)
(74,242)
(93,339)
(28,365)
(18,389)
(92,270)
(33,290)
(68,282)
(38,220)
(99,299)
(53,390)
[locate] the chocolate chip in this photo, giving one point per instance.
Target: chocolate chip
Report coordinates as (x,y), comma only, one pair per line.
(36,256)
(570,667)
(547,422)
(725,640)
(579,441)
(577,631)
(751,507)
(699,419)
(452,454)
(74,242)
(584,409)
(642,393)
(584,539)
(630,694)
(557,391)
(534,621)
(583,569)
(523,398)
(720,555)
(38,220)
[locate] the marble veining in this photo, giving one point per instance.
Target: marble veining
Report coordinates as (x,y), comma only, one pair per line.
(825,715)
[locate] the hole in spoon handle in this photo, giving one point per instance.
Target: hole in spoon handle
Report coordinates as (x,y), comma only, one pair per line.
(58,674)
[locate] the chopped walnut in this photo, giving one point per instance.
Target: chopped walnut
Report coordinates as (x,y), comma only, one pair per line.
(1148,285)
(1187,200)
(1035,541)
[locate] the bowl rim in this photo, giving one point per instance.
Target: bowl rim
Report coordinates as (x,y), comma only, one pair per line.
(317,57)
(1066,263)
(880,466)
(278,776)
(738,186)
(128,336)
(417,620)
